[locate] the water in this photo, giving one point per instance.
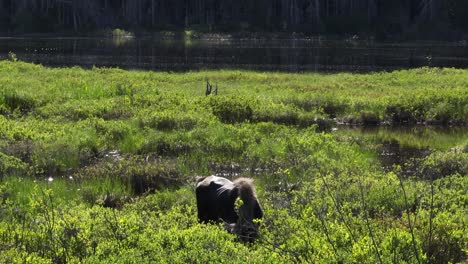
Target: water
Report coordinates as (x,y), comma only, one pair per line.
(405,146)
(289,55)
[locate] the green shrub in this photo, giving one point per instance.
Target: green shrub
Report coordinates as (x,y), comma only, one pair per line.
(165,144)
(113,131)
(54,158)
(278,114)
(121,33)
(10,165)
(231,109)
(17,101)
(369,119)
(399,114)
(448,238)
(167,121)
(442,164)
(12,57)
(397,246)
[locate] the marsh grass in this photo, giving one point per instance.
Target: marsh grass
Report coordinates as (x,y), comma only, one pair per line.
(122,149)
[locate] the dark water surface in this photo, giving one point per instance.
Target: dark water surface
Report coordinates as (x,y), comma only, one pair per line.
(406,145)
(289,55)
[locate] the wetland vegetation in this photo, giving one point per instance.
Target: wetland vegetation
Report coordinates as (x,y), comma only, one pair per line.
(99,165)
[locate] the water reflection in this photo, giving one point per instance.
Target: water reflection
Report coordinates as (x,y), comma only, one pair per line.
(291,55)
(405,146)
(419,137)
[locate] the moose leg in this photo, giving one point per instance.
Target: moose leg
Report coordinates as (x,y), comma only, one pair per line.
(203,206)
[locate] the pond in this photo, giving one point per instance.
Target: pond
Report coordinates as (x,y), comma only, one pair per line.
(315,54)
(404,146)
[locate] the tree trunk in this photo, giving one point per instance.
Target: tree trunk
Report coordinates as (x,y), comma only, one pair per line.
(186,16)
(152,13)
(74,11)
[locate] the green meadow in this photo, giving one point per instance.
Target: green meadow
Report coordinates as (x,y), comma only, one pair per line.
(99,165)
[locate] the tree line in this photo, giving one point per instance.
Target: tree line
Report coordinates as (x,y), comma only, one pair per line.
(388,18)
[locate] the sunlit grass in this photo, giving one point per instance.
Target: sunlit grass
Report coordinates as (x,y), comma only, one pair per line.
(99,165)
(66,190)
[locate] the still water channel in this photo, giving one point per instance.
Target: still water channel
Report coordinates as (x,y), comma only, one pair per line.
(290,55)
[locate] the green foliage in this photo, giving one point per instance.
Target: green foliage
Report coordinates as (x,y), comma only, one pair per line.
(448,242)
(11,165)
(441,164)
(231,109)
(21,102)
(98,165)
(121,33)
(12,56)
(168,120)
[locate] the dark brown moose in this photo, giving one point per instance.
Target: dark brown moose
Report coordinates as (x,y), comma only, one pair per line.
(216,201)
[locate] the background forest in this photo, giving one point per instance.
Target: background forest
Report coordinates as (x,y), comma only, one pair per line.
(436,19)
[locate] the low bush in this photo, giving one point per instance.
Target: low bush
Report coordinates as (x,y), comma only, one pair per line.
(231,109)
(446,163)
(12,57)
(17,101)
(369,119)
(10,165)
(399,114)
(167,121)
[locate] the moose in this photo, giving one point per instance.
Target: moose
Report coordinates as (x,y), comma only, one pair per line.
(216,201)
